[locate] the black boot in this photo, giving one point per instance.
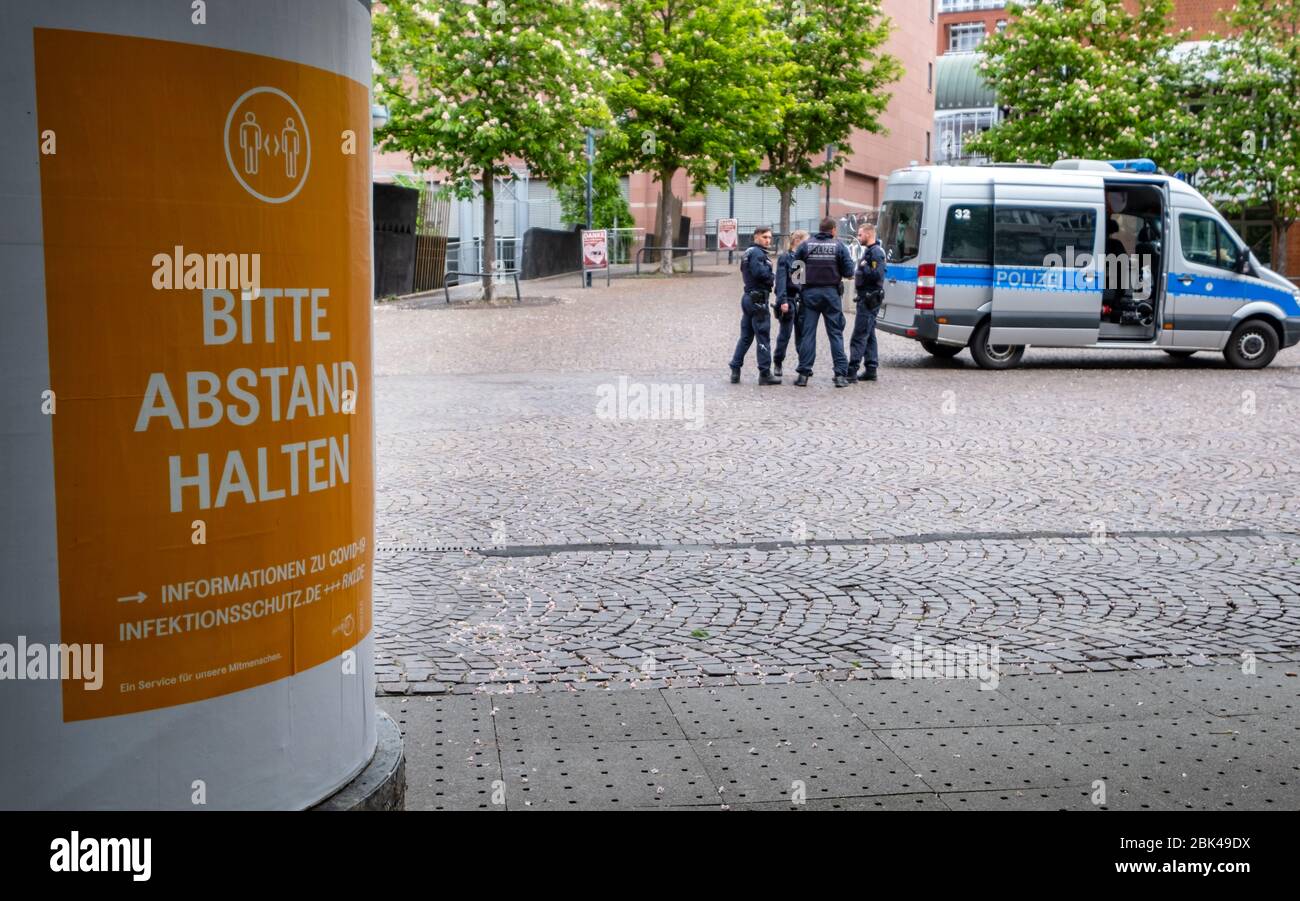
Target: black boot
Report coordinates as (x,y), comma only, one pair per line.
(802,381)
(776,369)
(868,375)
(765,378)
(840,381)
(735,376)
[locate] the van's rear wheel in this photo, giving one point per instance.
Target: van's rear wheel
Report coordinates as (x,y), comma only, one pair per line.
(1253,345)
(942,351)
(994,356)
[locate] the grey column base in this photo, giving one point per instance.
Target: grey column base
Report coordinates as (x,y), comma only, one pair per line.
(382,784)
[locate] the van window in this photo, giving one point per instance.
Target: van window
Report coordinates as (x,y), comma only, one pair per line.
(1207,242)
(968,234)
(900,229)
(1032,236)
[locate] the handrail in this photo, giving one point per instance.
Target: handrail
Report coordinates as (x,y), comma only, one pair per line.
(690,255)
(446,290)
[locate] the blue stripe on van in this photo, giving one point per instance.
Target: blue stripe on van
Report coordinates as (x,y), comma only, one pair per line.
(965,276)
(900,273)
(1044,278)
(1229,288)
(1022,278)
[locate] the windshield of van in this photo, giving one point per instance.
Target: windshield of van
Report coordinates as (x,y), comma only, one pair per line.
(900,229)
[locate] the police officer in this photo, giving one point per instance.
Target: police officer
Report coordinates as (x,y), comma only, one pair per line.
(827,262)
(868,294)
(755,325)
(789,287)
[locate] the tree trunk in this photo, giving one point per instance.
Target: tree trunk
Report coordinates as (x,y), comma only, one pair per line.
(667,221)
(787,198)
(1281,230)
(489,237)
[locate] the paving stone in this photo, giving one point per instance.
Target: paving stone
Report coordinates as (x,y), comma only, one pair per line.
(1227,691)
(833,766)
(875,802)
(1095,697)
(761,712)
(594,716)
(528,547)
(975,759)
(451,751)
(606,775)
(920,703)
(1207,763)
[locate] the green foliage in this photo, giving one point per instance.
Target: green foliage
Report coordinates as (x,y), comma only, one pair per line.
(1083,78)
(693,82)
(1246,137)
(833,80)
(609,209)
(470,84)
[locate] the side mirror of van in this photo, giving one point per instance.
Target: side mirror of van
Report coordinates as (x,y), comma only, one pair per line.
(1243,260)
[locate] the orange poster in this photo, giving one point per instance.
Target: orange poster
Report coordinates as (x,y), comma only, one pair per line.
(207,266)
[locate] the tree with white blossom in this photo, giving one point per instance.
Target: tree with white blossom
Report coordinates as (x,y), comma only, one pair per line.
(471,85)
(1083,78)
(1245,139)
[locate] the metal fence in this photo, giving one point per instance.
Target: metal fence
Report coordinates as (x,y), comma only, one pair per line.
(705,237)
(464,259)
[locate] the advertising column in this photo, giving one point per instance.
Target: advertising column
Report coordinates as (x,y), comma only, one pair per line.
(186,442)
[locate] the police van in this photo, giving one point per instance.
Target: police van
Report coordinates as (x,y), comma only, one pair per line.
(1084,253)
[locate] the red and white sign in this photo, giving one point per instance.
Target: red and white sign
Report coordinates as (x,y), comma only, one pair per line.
(728,239)
(595,249)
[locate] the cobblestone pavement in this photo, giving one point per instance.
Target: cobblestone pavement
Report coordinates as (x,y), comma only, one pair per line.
(1090,511)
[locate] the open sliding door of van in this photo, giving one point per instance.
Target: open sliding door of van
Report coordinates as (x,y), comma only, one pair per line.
(1048,240)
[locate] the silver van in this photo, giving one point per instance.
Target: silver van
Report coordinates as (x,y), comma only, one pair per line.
(1085,253)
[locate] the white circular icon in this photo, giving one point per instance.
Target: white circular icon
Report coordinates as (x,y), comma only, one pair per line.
(256,139)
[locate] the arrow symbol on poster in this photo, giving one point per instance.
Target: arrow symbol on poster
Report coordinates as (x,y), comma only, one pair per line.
(138,597)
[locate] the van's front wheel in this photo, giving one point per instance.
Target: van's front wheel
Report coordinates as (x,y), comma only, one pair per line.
(1253,345)
(942,351)
(994,356)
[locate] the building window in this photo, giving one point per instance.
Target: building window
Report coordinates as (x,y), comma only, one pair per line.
(966,37)
(929,79)
(956,129)
(963,6)
(927,146)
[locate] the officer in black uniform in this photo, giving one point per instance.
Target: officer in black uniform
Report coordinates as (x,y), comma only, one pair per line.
(755,325)
(827,262)
(868,295)
(789,287)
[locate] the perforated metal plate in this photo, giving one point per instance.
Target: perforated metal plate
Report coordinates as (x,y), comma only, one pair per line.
(585,716)
(1227,691)
(1012,757)
(838,765)
(920,703)
(762,711)
(1175,739)
(451,751)
(607,775)
(1208,763)
(1095,698)
(881,802)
